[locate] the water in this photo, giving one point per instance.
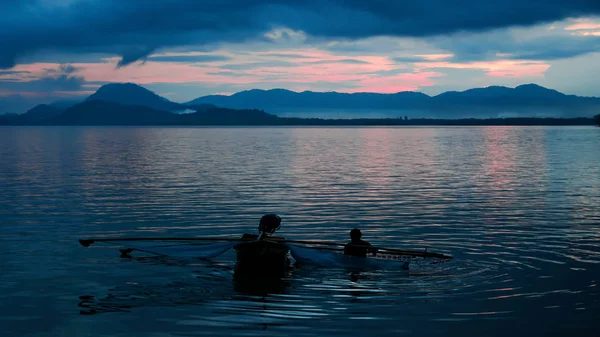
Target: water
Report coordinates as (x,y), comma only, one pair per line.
(517,207)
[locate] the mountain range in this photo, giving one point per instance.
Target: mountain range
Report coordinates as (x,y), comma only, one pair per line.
(131,104)
(527,100)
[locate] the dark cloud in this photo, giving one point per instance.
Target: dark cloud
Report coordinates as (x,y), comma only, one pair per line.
(134,54)
(292,56)
(67,68)
(134,29)
(55,81)
(408,59)
(255,65)
(345,61)
(45,84)
(226,73)
(13,72)
(62,69)
(189,58)
(386,73)
(517,46)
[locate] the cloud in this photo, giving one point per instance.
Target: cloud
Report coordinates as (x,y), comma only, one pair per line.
(12,72)
(133,54)
(225,73)
(345,61)
(45,85)
(539,43)
(135,29)
(408,59)
(189,58)
(285,55)
(256,65)
(47,81)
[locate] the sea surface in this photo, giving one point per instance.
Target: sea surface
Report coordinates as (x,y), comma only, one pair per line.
(517,207)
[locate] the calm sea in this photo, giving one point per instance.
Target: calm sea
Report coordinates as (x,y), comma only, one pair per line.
(517,207)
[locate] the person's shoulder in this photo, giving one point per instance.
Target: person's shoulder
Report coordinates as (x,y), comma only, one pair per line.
(366,243)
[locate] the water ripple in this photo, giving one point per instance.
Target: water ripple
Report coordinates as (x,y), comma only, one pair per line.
(518,208)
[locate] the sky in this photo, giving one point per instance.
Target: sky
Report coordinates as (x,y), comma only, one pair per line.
(183,49)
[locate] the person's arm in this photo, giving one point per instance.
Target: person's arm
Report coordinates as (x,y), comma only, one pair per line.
(374,251)
(371,249)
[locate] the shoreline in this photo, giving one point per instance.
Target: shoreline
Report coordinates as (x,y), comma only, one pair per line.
(298,122)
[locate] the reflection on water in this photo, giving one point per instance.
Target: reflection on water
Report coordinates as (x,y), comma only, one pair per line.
(517,207)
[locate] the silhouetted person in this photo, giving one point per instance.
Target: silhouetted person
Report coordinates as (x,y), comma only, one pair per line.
(358,247)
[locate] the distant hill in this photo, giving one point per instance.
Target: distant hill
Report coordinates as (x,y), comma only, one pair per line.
(64,104)
(38,113)
(281,98)
(133,94)
(597,119)
(97,112)
(224,116)
(143,107)
(524,100)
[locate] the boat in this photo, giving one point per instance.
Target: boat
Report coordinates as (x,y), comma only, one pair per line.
(264,253)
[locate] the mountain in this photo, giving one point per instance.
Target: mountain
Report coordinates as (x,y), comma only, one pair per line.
(37,114)
(133,94)
(529,94)
(494,101)
(96,112)
(281,98)
(64,104)
(597,119)
(224,116)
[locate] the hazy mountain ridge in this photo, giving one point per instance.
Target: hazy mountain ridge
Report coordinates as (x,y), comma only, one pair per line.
(96,112)
(490,101)
(99,112)
(144,107)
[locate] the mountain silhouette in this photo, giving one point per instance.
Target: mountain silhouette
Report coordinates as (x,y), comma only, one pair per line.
(64,104)
(525,100)
(133,94)
(281,98)
(97,112)
(140,108)
(39,113)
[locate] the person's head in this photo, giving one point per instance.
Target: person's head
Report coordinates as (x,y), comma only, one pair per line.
(269,223)
(355,234)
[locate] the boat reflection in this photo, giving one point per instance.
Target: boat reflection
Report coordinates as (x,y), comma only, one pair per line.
(262,283)
(213,282)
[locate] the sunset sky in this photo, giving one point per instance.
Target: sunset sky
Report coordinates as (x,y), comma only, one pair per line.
(184,49)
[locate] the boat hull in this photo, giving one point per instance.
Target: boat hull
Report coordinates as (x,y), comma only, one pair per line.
(259,258)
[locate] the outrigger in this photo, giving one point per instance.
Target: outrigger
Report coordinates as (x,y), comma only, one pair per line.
(263,252)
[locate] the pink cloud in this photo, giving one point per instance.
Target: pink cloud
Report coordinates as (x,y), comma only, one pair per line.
(302,67)
(587,33)
(583,26)
(435,57)
(501,68)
